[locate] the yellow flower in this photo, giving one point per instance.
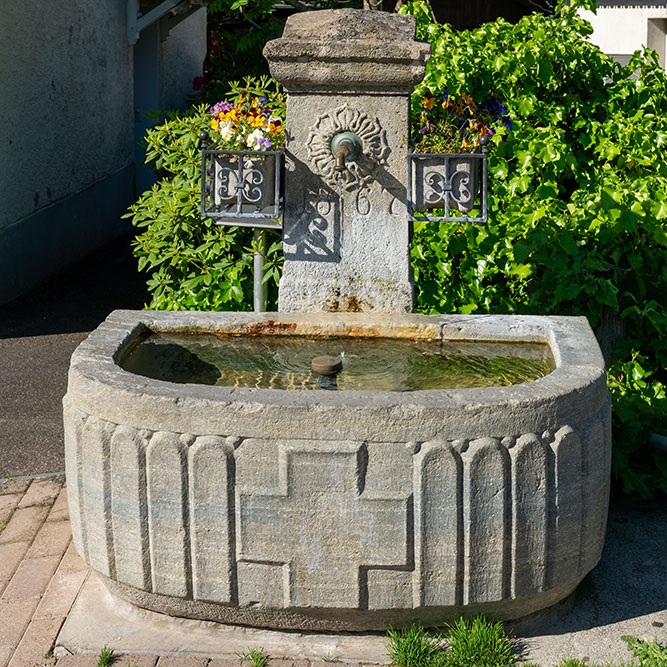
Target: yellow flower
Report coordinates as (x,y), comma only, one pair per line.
(428,101)
(275,125)
(257,120)
(214,123)
(231,115)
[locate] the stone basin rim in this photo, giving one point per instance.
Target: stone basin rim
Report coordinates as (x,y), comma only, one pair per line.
(577,364)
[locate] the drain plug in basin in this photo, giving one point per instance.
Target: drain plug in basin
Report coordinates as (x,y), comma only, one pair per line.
(326,365)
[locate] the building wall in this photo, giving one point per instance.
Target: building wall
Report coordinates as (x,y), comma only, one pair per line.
(620,28)
(67,129)
(181,58)
(69,90)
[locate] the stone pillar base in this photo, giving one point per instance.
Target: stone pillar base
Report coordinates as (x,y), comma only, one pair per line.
(301,294)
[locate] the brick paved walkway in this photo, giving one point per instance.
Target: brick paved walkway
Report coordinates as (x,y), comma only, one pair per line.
(41,575)
(40,572)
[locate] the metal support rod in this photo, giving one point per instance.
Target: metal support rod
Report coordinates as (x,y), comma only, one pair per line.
(259,288)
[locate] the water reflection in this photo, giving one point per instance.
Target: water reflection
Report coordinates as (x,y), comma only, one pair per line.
(284,362)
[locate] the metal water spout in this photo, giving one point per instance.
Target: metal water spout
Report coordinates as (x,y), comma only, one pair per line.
(345,147)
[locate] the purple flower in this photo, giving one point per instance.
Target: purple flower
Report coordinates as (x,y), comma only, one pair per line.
(220,107)
(264,144)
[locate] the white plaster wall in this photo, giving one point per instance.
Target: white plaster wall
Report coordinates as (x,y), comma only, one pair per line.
(65,100)
(623,30)
(181,59)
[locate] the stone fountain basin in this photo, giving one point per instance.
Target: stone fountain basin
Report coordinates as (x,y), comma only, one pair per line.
(349,510)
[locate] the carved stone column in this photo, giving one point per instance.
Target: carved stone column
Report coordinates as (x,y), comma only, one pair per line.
(346,238)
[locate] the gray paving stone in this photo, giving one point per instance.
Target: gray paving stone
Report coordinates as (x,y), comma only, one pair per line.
(59,511)
(36,642)
(31,578)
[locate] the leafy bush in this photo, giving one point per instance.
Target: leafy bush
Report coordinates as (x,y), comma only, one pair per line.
(577,201)
(193,263)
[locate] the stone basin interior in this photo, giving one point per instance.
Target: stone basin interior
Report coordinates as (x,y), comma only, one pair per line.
(285,362)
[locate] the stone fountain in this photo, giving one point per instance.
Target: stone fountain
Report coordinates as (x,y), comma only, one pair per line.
(340,510)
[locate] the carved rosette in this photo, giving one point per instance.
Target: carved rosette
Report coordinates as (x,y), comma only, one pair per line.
(375,149)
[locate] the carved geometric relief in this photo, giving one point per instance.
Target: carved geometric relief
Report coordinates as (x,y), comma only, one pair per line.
(375,526)
(129,506)
(486,525)
(74,422)
(565,506)
(529,515)
(209,482)
(321,525)
(375,148)
(596,464)
(96,487)
(438,530)
(166,477)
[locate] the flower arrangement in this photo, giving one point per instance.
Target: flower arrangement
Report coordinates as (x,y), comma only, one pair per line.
(455,124)
(247,124)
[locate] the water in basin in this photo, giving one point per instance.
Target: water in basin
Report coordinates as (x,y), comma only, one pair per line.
(285,362)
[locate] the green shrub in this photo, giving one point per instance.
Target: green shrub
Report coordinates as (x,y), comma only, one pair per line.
(577,201)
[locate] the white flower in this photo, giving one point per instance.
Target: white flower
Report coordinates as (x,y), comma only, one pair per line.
(226,130)
(252,140)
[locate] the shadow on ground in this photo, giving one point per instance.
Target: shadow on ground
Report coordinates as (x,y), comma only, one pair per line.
(79,298)
(38,333)
(628,585)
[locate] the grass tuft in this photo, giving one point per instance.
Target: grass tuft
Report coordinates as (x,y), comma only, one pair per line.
(478,643)
(255,656)
(105,658)
(414,647)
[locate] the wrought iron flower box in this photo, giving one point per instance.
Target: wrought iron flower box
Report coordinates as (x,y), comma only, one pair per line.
(242,187)
(449,182)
